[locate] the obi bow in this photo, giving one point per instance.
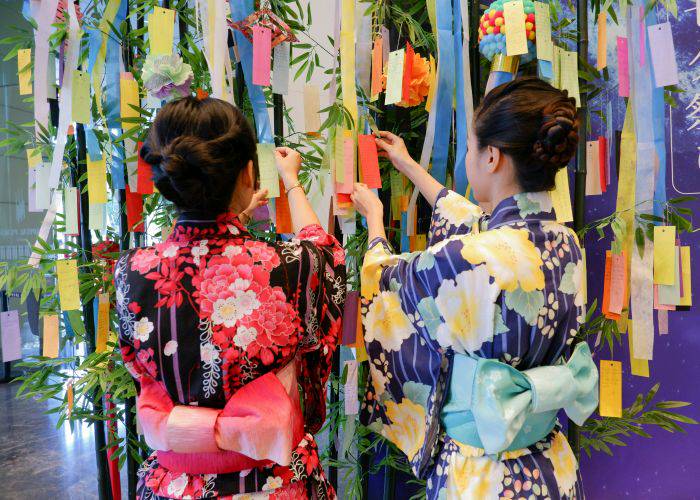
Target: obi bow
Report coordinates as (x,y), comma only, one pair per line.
(493,406)
(261,421)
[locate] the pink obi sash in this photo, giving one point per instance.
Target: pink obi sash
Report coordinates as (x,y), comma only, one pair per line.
(261,423)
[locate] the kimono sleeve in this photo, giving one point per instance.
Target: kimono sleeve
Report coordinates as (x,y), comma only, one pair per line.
(321,297)
(453,214)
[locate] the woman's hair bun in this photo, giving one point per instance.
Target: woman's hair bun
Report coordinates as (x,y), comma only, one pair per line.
(197,149)
(558,135)
(533,123)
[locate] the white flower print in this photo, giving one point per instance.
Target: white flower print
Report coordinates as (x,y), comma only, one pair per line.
(170,251)
(231,250)
(177,486)
(457,210)
(208,353)
(170,348)
(386,322)
(199,251)
(143,329)
(244,336)
(272,483)
(230,310)
(233,229)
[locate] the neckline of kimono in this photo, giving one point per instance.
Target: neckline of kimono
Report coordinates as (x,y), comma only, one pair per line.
(507,211)
(207,220)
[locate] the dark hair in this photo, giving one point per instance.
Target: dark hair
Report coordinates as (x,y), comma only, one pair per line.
(533,123)
(198,148)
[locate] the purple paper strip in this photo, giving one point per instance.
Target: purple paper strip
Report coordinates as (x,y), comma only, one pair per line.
(350,318)
(11,341)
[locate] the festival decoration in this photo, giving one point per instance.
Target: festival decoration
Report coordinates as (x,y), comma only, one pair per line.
(419,86)
(281,32)
(493,42)
(167,76)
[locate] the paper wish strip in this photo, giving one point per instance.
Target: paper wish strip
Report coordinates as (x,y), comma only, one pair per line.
(50,340)
(11,339)
(514,18)
(642,291)
(24,71)
(280,69)
(269,178)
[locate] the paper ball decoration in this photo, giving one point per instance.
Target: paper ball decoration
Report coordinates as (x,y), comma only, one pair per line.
(167,76)
(419,87)
(492,29)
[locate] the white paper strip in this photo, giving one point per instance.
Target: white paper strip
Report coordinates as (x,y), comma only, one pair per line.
(72,51)
(642,290)
(70,209)
(352,405)
(280,69)
(42,191)
(363,47)
(466,67)
(45,227)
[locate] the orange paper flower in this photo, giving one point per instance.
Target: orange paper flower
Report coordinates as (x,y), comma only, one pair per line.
(420,82)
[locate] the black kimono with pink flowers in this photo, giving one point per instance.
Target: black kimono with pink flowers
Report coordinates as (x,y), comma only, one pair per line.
(210,310)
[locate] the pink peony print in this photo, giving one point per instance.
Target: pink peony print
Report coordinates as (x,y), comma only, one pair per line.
(143,260)
(263,253)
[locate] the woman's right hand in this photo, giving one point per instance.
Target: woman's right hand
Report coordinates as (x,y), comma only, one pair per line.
(288,164)
(394,148)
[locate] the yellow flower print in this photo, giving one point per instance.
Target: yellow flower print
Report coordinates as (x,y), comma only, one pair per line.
(457,210)
(376,259)
(474,477)
(467,305)
(386,322)
(510,257)
(563,463)
(407,428)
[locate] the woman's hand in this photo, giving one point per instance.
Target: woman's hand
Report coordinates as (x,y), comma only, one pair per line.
(366,201)
(370,206)
(288,164)
(394,148)
(259,199)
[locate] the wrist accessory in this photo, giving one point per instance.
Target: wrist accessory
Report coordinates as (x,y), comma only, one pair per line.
(297,185)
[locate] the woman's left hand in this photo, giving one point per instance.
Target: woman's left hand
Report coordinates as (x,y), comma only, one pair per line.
(259,199)
(366,201)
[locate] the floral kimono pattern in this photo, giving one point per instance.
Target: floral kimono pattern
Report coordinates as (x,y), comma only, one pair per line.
(506,286)
(210,310)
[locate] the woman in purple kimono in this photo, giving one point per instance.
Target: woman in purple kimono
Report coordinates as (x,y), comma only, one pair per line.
(467,340)
(228,337)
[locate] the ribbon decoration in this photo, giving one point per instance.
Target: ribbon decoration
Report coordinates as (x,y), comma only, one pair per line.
(44,18)
(460,172)
(240,9)
(445,89)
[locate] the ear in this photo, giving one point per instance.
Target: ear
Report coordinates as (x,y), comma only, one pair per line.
(247,175)
(494,158)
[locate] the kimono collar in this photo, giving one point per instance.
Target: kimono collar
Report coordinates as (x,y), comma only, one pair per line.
(522,207)
(199,225)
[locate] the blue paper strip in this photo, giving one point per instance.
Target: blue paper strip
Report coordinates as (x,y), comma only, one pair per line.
(240,9)
(445,90)
(112,74)
(460,172)
(544,69)
(404,232)
(93,146)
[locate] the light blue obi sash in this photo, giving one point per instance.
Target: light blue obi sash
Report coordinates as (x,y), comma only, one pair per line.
(493,406)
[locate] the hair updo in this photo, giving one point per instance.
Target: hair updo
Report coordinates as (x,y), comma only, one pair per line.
(533,123)
(197,148)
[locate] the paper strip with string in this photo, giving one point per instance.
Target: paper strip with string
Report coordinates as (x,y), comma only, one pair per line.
(347,59)
(460,173)
(240,9)
(445,90)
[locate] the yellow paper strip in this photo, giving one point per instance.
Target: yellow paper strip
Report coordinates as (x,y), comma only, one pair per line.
(602,60)
(68,285)
(610,389)
(543,40)
(50,341)
(561,196)
(97,180)
(161,30)
(687,295)
(347,58)
(339,155)
(24,71)
(33,157)
(269,178)
(80,101)
(514,18)
(433,85)
(664,252)
(102,322)
(129,89)
(639,367)
(568,74)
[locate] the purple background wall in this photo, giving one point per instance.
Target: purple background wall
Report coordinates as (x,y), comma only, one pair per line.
(660,467)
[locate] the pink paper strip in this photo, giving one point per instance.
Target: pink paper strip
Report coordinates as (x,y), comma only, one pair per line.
(623,73)
(262,51)
(11,340)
